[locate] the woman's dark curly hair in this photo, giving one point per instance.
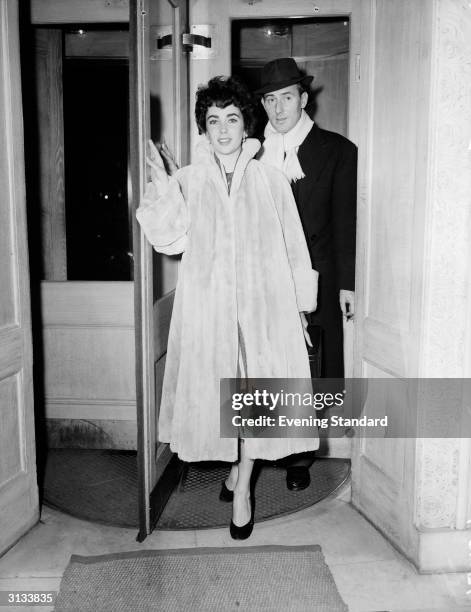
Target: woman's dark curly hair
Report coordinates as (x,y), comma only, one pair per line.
(222,91)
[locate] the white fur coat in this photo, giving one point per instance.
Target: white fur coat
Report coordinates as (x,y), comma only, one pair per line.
(245,270)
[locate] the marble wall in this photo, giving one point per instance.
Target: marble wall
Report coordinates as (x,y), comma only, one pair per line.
(443,464)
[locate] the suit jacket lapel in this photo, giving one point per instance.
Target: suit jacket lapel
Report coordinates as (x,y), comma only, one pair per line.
(313,155)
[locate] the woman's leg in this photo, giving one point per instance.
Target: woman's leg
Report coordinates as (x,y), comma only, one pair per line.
(241,507)
(231,480)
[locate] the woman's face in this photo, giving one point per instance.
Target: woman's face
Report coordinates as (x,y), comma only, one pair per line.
(225,128)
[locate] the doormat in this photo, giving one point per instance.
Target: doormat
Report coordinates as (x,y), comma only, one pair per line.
(101,486)
(291,578)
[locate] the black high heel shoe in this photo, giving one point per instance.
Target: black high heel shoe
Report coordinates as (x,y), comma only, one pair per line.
(226,495)
(244,532)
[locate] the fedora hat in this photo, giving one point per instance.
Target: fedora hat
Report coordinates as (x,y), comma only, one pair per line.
(281,73)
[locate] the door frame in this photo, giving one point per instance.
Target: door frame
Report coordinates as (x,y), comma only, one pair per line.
(354,11)
(139,124)
(158,468)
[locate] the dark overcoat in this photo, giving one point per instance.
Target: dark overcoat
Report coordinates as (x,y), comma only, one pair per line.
(326,200)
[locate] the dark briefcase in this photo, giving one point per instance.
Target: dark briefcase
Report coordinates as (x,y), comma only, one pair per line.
(315,352)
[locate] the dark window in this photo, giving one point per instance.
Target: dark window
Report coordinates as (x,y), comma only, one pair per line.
(96,158)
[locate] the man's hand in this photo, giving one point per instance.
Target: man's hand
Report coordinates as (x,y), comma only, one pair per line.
(347,303)
(304,324)
(170,163)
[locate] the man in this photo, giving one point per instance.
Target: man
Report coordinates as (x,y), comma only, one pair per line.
(322,169)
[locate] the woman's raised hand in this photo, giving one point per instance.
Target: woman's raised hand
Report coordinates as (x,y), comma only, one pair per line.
(169,160)
(158,173)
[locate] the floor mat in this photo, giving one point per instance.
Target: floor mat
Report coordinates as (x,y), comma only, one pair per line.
(101,486)
(285,578)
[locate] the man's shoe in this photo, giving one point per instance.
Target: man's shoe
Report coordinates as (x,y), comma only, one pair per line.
(297,477)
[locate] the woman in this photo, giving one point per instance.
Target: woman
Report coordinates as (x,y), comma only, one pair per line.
(244,277)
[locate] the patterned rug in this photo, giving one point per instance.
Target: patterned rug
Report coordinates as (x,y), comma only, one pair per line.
(284,578)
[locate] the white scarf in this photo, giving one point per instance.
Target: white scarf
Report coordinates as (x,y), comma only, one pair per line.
(281,150)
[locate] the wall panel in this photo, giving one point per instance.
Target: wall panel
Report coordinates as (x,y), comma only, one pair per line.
(79,11)
(89,357)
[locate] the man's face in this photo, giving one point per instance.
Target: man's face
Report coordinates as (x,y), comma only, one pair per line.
(284,107)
